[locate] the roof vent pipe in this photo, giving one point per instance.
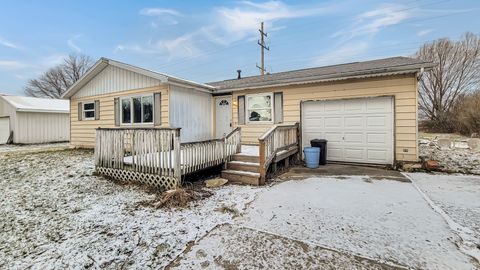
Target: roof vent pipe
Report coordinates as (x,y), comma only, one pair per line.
(239,76)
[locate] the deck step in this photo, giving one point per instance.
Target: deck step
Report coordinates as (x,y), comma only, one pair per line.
(243,177)
(246,158)
(244,166)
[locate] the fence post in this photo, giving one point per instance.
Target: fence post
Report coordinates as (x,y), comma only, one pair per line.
(263,170)
(177,172)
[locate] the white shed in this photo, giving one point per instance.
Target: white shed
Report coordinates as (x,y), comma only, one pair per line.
(33,120)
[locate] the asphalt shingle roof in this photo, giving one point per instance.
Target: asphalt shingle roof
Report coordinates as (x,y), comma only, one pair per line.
(387,65)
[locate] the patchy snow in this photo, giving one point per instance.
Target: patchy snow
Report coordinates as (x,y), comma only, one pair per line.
(457,158)
(381,219)
(9,148)
(232,247)
(249,150)
(56,214)
(457,199)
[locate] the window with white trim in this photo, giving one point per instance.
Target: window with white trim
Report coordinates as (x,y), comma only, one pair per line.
(88,110)
(137,109)
(260,108)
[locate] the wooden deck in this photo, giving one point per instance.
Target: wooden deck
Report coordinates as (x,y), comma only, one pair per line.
(155,156)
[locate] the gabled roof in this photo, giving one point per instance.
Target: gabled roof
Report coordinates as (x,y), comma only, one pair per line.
(103,62)
(32,104)
(373,68)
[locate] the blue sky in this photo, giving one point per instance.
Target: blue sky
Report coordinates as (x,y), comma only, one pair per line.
(209,40)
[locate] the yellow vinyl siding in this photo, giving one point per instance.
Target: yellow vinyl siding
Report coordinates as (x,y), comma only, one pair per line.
(82,133)
(402,87)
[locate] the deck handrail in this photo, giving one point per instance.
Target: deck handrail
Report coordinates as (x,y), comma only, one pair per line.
(159,151)
(209,153)
(274,140)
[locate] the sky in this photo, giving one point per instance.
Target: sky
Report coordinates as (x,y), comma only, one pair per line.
(209,40)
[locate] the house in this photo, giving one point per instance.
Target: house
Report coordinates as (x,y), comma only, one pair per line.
(27,120)
(366,110)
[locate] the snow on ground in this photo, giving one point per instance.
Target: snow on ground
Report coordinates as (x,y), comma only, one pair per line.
(249,150)
(8,148)
(57,215)
(455,159)
(459,197)
(232,247)
(380,219)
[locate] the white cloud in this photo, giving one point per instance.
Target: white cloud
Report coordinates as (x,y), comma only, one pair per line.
(222,26)
(52,60)
(9,44)
(346,53)
(11,64)
(71,43)
(371,22)
(243,20)
(424,32)
(182,46)
(158,12)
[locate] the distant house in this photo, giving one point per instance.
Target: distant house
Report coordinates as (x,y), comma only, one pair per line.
(27,120)
(366,110)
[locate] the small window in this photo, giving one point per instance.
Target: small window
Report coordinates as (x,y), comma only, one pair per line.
(260,108)
(137,110)
(89,111)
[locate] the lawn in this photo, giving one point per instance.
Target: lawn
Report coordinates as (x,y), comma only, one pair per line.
(57,214)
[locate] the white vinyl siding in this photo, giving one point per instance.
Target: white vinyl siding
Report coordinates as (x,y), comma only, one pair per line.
(358,130)
(42,127)
(114,79)
(193,112)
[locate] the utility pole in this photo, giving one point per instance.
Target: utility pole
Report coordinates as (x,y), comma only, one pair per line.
(263,47)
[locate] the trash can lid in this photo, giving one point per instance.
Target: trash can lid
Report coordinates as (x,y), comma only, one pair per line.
(318,141)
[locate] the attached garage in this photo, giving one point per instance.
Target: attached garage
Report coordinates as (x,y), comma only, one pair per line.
(359,130)
(366,110)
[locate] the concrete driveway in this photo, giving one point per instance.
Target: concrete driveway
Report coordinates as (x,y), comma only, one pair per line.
(349,222)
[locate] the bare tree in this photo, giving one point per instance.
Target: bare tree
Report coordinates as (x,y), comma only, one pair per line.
(457,72)
(55,81)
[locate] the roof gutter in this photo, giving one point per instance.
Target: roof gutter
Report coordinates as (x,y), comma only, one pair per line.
(319,80)
(41,111)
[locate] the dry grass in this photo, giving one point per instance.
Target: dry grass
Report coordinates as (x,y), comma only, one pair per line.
(177,198)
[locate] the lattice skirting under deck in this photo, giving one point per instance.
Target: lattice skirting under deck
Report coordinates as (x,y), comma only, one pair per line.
(154,180)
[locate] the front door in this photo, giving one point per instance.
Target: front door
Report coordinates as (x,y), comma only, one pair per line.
(223,116)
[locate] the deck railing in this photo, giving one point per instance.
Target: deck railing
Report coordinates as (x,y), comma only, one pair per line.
(276,139)
(157,151)
(204,154)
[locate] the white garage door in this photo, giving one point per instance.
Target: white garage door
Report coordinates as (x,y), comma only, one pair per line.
(357,130)
(4,129)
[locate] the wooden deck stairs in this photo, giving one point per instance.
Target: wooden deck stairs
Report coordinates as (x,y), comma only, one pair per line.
(278,144)
(243,169)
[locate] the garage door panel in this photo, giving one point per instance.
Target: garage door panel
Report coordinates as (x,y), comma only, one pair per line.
(333,122)
(383,105)
(377,154)
(333,106)
(354,122)
(353,138)
(377,121)
(333,137)
(334,153)
(354,154)
(352,106)
(4,129)
(357,130)
(378,138)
